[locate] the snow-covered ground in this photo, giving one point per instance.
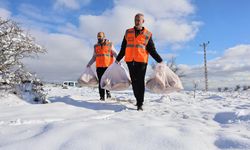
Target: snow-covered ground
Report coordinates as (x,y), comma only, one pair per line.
(76,120)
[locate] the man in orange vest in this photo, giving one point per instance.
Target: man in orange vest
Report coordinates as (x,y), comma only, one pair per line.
(104,53)
(136,45)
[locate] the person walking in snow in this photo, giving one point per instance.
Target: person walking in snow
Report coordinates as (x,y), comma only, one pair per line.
(136,45)
(103,55)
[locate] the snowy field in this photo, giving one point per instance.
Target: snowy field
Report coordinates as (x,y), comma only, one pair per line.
(76,120)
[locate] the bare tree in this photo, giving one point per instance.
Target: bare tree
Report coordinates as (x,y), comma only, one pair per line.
(195,83)
(171,63)
(15,45)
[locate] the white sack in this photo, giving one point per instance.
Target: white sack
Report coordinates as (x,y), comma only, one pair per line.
(163,80)
(88,78)
(115,78)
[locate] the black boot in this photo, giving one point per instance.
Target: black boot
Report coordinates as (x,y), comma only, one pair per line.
(139,108)
(102,99)
(108,95)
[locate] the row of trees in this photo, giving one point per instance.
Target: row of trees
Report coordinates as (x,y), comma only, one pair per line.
(15,45)
(236,88)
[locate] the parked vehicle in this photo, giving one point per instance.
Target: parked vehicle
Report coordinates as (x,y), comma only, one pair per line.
(67,84)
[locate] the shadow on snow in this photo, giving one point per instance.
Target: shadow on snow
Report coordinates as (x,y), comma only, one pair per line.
(88,105)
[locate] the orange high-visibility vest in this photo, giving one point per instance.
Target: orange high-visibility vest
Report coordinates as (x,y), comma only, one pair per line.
(136,46)
(104,56)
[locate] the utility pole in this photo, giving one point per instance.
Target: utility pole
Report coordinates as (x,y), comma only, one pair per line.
(204,45)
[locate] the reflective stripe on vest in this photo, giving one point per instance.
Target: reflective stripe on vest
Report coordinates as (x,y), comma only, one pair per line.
(104,57)
(136,46)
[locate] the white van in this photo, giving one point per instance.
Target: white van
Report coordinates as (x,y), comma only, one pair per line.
(67,84)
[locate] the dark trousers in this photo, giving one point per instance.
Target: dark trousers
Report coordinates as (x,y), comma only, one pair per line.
(100,71)
(137,73)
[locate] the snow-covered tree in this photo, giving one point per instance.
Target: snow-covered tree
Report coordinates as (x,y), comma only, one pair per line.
(15,45)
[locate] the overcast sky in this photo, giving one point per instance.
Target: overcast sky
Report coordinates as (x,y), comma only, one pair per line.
(68,28)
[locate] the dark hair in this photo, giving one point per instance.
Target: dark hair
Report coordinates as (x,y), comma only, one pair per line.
(139,14)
